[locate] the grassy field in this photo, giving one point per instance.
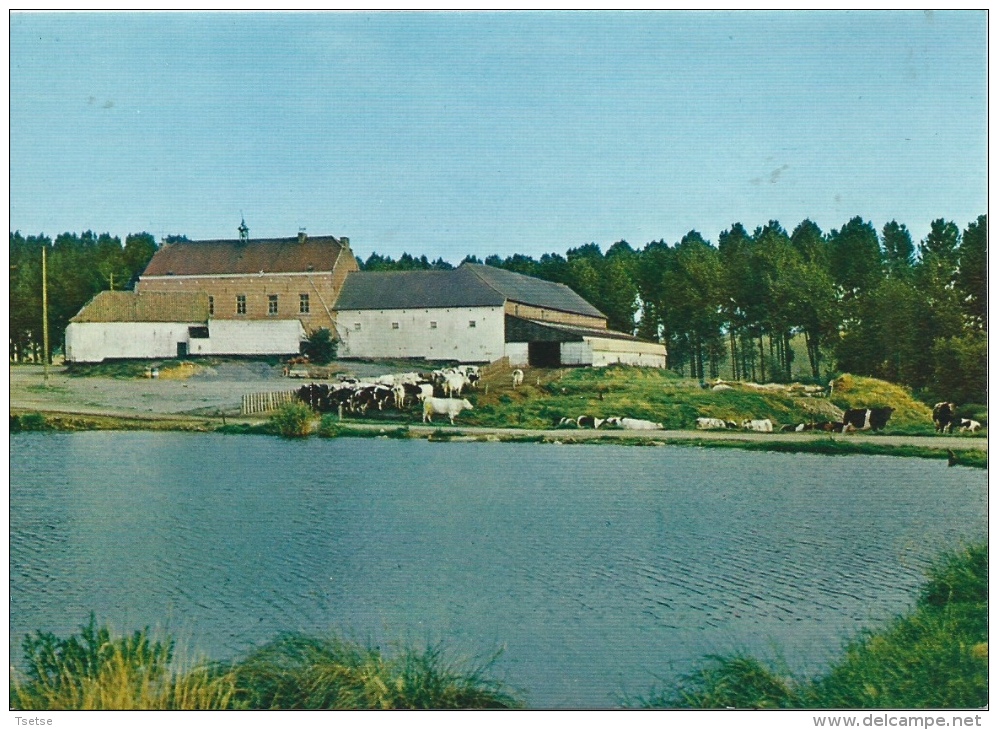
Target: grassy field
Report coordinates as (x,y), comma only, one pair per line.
(664,397)
(934,657)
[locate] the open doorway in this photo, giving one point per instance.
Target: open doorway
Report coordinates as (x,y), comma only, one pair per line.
(544,354)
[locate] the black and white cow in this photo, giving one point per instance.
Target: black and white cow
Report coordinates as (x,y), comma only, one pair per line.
(943,416)
(866,419)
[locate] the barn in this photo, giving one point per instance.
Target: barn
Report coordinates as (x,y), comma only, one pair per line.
(478,313)
(137,325)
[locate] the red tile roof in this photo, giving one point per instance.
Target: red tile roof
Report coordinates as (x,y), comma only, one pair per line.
(267,255)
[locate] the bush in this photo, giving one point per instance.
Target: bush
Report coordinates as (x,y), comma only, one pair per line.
(29,422)
(293,420)
(321,346)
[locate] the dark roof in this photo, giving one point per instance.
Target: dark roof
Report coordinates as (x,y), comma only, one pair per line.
(469,285)
(529,330)
(416,290)
(534,292)
(268,255)
(126,306)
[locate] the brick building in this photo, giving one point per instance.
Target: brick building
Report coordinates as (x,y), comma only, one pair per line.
(261,279)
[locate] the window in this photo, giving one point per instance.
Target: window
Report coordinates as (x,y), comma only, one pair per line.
(433,325)
(197,333)
(472,323)
(395,325)
(211,306)
(271,304)
(240,304)
(356,326)
(303,303)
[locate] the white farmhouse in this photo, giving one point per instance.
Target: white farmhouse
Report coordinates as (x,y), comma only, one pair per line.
(479,313)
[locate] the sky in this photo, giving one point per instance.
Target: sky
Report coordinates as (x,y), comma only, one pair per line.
(448,134)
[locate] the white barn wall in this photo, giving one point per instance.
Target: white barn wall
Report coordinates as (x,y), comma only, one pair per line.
(517,353)
(97,341)
(626,352)
(451,339)
(576,353)
(251,337)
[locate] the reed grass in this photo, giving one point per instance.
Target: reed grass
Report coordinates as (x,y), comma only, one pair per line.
(94,670)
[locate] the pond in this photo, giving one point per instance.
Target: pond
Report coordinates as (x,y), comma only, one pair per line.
(597,569)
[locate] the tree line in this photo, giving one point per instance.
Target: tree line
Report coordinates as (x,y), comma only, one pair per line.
(78,267)
(859,300)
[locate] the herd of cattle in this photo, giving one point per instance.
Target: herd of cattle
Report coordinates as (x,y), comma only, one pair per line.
(855,419)
(435,392)
(440,393)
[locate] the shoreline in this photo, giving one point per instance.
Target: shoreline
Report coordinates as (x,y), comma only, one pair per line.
(972,451)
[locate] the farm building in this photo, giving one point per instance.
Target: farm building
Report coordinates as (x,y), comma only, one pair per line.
(479,313)
(262,297)
(135,325)
(268,279)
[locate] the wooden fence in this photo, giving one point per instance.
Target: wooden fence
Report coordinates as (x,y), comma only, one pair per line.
(264,402)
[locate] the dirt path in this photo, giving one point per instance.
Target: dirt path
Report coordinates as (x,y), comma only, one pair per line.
(210,394)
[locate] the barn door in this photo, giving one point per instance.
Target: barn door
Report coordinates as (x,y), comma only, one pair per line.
(544,354)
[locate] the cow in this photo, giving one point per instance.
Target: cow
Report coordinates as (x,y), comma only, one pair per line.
(634,424)
(794,428)
(454,383)
(943,416)
(865,419)
(708,423)
(763,425)
(517,377)
(449,407)
(589,422)
(970,425)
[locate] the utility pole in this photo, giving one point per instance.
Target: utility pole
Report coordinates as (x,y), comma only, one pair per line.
(45,319)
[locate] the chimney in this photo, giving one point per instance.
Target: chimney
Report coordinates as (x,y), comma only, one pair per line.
(345,242)
(302,236)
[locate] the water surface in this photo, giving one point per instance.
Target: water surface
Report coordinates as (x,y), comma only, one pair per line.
(596,567)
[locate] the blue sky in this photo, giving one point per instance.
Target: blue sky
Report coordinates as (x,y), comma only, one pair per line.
(449,134)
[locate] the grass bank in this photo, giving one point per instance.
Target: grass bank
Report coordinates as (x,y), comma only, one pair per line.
(293,423)
(936,656)
(664,397)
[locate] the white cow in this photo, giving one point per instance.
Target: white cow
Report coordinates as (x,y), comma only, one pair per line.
(708,423)
(398,393)
(453,384)
(634,424)
(763,425)
(449,407)
(517,377)
(968,424)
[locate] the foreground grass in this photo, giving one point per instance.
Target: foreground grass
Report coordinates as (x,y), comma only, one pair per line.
(94,670)
(934,657)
